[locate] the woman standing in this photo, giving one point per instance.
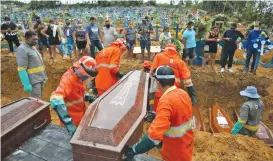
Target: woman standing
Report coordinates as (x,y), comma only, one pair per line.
(80,39)
(210,48)
(130,37)
(165,38)
(52,36)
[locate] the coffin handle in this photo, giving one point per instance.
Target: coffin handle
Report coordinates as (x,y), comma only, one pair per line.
(42,124)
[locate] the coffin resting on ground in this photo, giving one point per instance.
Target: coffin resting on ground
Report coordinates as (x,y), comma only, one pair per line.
(112,122)
(219,120)
(263,133)
(19,120)
(197,118)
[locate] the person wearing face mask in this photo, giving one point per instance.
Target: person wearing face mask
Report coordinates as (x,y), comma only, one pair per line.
(250,114)
(31,68)
(80,39)
(210,48)
(68,99)
(231,38)
(110,34)
(108,62)
(189,42)
(254,34)
(52,38)
(165,38)
(68,33)
(145,29)
(130,37)
(9,29)
(182,74)
(173,122)
(93,36)
(38,27)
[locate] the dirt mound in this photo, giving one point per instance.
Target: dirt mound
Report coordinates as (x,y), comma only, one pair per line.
(210,88)
(224,147)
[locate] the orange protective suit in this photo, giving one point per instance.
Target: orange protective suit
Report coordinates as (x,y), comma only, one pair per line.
(107,77)
(171,58)
(71,89)
(173,125)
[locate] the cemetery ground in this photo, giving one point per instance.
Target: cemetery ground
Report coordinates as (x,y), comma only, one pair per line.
(210,88)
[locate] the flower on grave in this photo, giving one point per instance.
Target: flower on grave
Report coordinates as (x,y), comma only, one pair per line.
(255,45)
(264,34)
(270,47)
(263,42)
(157,25)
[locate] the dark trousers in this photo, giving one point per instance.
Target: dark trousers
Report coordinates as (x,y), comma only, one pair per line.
(227,55)
(11,40)
(95,43)
(248,57)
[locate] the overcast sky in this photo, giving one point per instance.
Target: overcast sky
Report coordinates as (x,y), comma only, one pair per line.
(75,1)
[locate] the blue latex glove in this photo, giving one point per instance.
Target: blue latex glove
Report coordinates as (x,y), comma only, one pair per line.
(61,110)
(44,83)
(25,81)
(144,145)
(236,128)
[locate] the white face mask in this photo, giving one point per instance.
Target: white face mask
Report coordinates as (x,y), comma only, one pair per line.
(256,28)
(192,27)
(51,25)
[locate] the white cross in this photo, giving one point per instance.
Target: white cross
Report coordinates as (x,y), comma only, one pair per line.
(107,16)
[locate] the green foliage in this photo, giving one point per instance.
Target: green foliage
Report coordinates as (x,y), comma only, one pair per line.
(44,4)
(178,45)
(202,27)
(221,17)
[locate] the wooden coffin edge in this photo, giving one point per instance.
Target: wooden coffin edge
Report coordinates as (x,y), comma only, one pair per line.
(18,123)
(268,141)
(75,141)
(203,128)
(211,119)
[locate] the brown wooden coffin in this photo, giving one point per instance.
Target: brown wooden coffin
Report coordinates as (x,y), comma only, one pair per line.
(113,122)
(217,115)
(19,120)
(197,119)
(263,133)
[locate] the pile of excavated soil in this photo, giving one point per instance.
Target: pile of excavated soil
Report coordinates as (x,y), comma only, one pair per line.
(225,147)
(210,88)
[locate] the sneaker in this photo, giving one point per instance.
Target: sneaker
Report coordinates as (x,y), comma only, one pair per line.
(222,70)
(230,70)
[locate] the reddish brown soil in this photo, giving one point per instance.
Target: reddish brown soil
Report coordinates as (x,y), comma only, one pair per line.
(210,88)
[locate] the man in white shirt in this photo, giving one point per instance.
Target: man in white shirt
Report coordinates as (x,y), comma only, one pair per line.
(110,33)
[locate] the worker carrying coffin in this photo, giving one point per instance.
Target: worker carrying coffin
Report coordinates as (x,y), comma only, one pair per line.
(250,114)
(108,62)
(68,99)
(172,125)
(182,74)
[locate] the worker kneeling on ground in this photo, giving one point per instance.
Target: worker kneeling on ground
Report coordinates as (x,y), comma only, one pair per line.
(108,61)
(172,125)
(250,114)
(171,58)
(68,99)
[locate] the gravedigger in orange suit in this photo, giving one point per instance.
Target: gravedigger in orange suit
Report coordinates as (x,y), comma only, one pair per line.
(68,99)
(172,125)
(108,62)
(182,74)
